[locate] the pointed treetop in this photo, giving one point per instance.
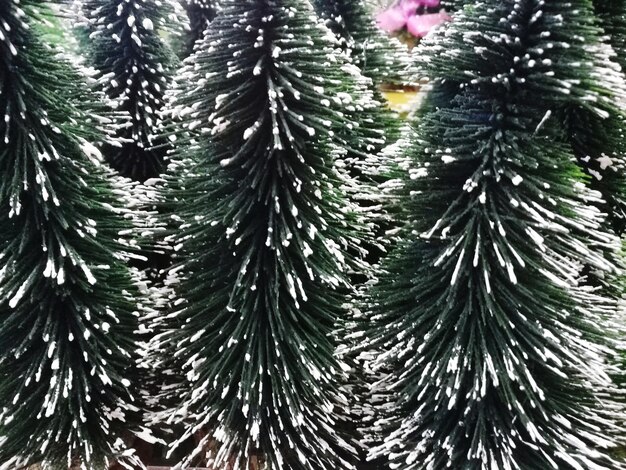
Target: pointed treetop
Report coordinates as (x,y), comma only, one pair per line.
(67,301)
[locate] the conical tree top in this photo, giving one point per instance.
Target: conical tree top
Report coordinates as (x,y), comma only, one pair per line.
(496,352)
(126,48)
(67,301)
(263,250)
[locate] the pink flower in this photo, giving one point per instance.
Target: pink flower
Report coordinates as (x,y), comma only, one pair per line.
(392,19)
(420,25)
(404,14)
(410,6)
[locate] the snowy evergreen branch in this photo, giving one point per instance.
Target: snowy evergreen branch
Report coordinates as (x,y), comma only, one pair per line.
(125,46)
(200,14)
(381,58)
(68,304)
(494,352)
(267,240)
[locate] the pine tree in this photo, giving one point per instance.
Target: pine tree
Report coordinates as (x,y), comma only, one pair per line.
(67,302)
(603,146)
(200,13)
(126,47)
(382,59)
(267,241)
(613,19)
(374,156)
(498,353)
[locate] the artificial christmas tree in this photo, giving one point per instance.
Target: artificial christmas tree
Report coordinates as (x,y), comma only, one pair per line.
(612,16)
(126,47)
(495,350)
(600,142)
(67,301)
(382,59)
(200,13)
(263,249)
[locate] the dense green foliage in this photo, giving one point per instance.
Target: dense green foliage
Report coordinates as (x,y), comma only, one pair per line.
(200,13)
(67,301)
(601,142)
(495,351)
(382,59)
(126,48)
(313,282)
(612,15)
(263,249)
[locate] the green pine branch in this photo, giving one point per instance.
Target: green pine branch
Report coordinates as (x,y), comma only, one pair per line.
(125,46)
(612,15)
(267,241)
(67,302)
(493,352)
(200,13)
(381,58)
